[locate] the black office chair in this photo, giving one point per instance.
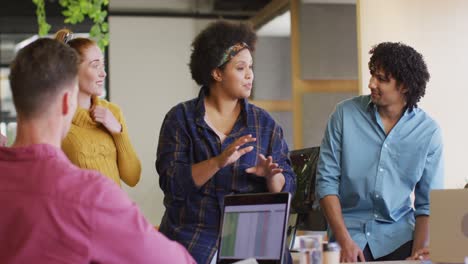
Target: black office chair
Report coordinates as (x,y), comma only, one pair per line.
(305,209)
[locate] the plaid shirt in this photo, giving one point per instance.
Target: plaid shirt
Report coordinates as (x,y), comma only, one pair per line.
(192,215)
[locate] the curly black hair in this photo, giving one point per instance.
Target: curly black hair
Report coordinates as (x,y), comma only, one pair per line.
(210,45)
(403,63)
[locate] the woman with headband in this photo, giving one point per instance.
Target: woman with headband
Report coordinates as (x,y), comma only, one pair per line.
(218,143)
(98,138)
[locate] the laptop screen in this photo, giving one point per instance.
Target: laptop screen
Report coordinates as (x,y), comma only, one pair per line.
(253,226)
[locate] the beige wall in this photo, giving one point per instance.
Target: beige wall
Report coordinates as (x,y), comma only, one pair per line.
(328,42)
(148,70)
(439,30)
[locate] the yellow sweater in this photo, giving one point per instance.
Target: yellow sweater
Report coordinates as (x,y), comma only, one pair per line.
(89,145)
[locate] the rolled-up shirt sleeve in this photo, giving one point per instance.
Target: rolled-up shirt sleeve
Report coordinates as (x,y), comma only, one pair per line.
(173,161)
(329,164)
(433,175)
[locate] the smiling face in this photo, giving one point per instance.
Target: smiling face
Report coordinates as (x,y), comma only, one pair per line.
(237,76)
(92,74)
(385,91)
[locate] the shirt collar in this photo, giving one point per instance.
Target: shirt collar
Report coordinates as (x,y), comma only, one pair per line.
(371,107)
(31,152)
(200,108)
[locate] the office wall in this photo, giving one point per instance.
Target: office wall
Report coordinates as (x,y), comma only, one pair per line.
(272,68)
(317,108)
(149,75)
(439,30)
(328,42)
(328,51)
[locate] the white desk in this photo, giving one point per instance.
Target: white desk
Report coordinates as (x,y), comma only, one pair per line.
(295,257)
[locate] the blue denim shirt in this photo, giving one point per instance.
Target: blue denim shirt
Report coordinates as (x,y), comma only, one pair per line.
(192,215)
(374,174)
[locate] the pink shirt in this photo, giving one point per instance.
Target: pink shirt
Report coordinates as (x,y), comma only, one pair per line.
(54,212)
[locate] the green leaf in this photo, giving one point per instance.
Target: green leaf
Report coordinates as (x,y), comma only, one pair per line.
(95,30)
(86,7)
(44,29)
(103,15)
(102,44)
(43,26)
(105,27)
(77,18)
(105,39)
(97,6)
(75,9)
(82,4)
(93,15)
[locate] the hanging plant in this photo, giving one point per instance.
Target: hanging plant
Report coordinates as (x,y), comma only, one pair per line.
(44,27)
(75,12)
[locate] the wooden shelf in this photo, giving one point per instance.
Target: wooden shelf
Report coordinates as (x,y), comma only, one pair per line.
(326,86)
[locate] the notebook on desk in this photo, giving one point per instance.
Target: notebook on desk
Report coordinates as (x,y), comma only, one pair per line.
(254,226)
(448,226)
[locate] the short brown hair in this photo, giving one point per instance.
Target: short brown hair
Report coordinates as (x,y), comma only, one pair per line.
(39,72)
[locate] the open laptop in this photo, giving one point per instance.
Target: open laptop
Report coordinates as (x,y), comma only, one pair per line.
(448,226)
(254,226)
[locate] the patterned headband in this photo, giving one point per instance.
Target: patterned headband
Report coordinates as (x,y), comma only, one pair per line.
(232,51)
